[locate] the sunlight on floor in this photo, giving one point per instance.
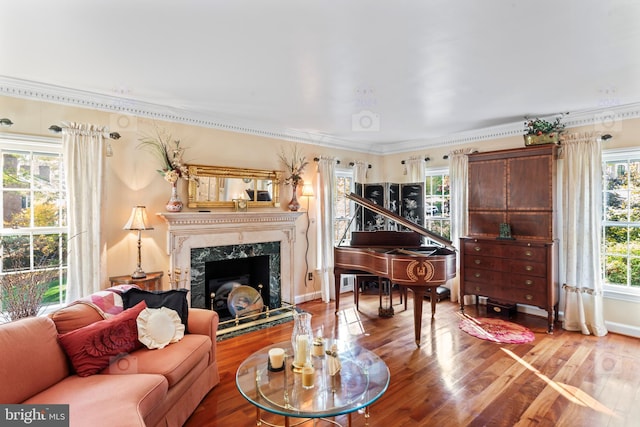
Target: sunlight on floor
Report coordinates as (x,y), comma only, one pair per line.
(571,393)
(350,321)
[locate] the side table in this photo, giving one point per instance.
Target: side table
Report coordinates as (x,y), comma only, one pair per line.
(153,281)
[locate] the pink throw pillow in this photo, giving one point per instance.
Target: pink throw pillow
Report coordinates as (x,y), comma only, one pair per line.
(93,347)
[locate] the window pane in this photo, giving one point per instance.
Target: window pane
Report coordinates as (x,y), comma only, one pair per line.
(616,240)
(616,270)
(16,253)
(15,208)
(45,213)
(17,170)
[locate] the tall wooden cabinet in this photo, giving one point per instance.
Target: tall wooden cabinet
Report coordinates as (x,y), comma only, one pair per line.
(514,187)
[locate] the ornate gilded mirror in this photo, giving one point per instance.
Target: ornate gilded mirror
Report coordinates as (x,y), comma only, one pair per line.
(221,186)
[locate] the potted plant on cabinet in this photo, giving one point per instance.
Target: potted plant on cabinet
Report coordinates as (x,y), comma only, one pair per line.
(540,131)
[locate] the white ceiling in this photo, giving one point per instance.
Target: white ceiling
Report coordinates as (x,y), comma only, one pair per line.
(427,72)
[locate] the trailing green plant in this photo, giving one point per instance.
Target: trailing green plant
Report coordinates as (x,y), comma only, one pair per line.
(540,126)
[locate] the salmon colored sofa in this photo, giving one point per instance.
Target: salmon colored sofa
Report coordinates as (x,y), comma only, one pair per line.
(146,387)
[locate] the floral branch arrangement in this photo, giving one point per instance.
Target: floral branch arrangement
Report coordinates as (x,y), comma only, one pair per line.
(539,126)
(170,153)
(294,165)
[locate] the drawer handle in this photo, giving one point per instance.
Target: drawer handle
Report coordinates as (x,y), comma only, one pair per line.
(529,268)
(478,288)
(528,297)
(528,282)
(528,253)
(477,275)
(477,248)
(477,261)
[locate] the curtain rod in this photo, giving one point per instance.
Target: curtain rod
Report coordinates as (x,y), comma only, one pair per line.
(58,129)
(426,159)
(317,159)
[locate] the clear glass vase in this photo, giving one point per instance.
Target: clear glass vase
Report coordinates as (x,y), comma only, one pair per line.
(301,339)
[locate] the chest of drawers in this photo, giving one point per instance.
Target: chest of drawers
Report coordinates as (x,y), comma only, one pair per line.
(511,271)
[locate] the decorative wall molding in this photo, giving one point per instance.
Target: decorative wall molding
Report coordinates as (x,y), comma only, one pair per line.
(601,118)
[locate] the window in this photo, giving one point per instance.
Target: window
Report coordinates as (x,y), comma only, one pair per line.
(437,202)
(34,233)
(620,254)
(342,207)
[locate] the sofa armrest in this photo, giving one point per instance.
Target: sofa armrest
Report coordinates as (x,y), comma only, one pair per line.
(204,322)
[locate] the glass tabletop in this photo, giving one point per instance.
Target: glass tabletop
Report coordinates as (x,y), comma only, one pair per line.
(362,379)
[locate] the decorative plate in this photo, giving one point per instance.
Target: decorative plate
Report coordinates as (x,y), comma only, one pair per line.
(244,300)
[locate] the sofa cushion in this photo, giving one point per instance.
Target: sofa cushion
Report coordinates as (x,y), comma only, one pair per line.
(30,358)
(175,299)
(106,400)
(75,316)
(159,327)
(94,347)
(173,362)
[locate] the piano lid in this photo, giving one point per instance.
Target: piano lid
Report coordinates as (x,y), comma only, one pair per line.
(402,221)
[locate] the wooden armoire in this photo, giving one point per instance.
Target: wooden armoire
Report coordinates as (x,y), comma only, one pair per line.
(515,188)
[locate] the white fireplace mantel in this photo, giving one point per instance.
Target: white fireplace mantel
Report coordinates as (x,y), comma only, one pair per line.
(188,230)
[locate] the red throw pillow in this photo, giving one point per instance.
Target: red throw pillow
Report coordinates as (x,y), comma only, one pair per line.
(93,347)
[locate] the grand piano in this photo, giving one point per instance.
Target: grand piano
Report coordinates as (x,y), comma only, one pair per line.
(398,256)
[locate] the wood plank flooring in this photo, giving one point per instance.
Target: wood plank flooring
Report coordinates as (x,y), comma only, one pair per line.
(453,379)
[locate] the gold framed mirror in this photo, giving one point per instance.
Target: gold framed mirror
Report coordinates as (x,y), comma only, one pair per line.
(222,186)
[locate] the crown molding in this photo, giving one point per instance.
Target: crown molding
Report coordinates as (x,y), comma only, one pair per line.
(602,119)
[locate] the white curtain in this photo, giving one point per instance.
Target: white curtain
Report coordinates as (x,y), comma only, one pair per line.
(458,173)
(84,159)
(326,184)
(580,271)
(416,169)
(360,170)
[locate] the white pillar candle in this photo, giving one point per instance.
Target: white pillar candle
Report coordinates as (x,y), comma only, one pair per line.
(276,357)
(301,349)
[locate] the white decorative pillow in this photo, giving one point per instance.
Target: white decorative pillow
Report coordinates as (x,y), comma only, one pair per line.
(158,327)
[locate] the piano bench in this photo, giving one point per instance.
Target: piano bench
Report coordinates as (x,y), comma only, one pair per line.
(441,293)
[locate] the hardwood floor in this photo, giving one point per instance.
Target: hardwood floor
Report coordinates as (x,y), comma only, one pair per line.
(453,379)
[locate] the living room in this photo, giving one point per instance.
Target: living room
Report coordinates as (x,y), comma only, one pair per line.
(131,176)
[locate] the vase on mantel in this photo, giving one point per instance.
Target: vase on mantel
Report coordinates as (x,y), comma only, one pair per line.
(294,205)
(174,204)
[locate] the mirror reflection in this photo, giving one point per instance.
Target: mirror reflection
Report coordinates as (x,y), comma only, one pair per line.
(218,186)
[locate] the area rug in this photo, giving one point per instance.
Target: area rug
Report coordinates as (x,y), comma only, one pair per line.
(496,330)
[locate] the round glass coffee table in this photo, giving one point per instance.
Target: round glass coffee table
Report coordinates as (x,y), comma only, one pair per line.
(364,377)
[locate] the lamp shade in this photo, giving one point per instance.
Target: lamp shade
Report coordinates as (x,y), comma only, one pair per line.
(138,219)
(307,190)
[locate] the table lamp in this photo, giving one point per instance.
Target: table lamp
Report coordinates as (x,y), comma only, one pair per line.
(138,221)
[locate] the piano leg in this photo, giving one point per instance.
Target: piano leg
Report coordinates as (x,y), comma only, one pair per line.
(418,297)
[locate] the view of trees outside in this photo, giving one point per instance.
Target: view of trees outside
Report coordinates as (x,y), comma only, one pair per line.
(621,223)
(437,202)
(34,237)
(342,207)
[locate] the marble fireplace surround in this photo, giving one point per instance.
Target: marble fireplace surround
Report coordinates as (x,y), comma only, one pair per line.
(192,230)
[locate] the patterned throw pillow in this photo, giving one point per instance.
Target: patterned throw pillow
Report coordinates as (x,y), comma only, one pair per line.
(93,347)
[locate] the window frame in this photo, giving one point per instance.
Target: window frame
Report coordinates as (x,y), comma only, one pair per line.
(614,291)
(437,172)
(37,145)
(346,173)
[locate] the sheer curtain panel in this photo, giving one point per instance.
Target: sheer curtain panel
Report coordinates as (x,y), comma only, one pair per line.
(326,184)
(581,227)
(83,150)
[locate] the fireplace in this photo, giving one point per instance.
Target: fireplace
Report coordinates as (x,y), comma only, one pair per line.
(218,269)
(197,238)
